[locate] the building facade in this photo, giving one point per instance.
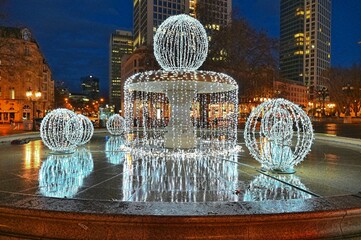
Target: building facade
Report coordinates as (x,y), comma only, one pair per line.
(142,59)
(305,42)
(149,14)
(293,91)
(90,87)
(213,14)
(23,68)
(121,44)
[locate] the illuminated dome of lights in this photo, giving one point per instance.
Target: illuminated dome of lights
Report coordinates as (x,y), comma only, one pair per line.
(116,125)
(278,134)
(180,43)
(53,130)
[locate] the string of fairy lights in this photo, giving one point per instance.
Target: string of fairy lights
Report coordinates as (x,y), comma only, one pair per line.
(182,116)
(180,43)
(166,110)
(278,134)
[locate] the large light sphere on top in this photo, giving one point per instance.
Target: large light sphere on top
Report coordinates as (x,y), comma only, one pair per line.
(180,43)
(278,134)
(116,125)
(53,130)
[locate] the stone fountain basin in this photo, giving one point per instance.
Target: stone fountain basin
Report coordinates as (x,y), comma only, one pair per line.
(330,174)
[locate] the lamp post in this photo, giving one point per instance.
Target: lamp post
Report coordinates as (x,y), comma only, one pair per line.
(348,90)
(33,96)
(323,93)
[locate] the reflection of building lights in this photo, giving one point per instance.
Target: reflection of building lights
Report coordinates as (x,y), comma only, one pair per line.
(32,155)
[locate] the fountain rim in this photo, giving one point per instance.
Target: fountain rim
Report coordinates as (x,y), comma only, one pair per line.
(198,80)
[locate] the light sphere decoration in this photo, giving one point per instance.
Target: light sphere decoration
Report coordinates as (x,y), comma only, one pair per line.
(180,43)
(53,130)
(79,130)
(278,134)
(116,125)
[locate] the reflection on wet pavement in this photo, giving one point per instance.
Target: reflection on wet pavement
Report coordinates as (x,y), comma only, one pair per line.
(102,171)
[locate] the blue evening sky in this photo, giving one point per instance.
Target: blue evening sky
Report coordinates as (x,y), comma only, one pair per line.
(74,34)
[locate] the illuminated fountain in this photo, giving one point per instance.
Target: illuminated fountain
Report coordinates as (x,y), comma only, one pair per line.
(278,134)
(179,108)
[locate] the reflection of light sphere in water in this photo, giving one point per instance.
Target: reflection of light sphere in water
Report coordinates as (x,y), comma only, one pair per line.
(116,125)
(79,129)
(278,134)
(112,150)
(52,130)
(63,175)
(264,188)
(180,43)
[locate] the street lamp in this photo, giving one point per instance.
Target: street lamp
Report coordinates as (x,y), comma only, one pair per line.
(33,96)
(348,90)
(323,93)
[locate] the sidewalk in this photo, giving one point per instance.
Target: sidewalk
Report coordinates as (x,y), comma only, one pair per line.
(7,129)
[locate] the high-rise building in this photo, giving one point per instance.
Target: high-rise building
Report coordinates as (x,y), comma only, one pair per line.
(149,14)
(121,44)
(213,14)
(23,68)
(90,87)
(305,42)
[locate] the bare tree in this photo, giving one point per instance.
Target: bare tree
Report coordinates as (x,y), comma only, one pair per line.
(247,55)
(344,87)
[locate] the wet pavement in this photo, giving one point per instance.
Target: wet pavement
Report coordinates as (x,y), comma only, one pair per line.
(100,171)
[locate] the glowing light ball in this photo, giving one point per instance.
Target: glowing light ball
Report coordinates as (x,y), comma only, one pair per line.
(278,134)
(53,130)
(79,130)
(180,43)
(116,125)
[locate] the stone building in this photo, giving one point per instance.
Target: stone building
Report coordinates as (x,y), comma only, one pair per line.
(23,68)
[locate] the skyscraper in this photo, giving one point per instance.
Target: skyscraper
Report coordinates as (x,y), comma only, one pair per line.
(305,41)
(121,44)
(90,87)
(149,14)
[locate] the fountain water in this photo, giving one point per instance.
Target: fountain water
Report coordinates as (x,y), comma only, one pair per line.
(179,108)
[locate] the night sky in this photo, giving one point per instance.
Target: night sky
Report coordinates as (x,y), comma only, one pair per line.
(74,34)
